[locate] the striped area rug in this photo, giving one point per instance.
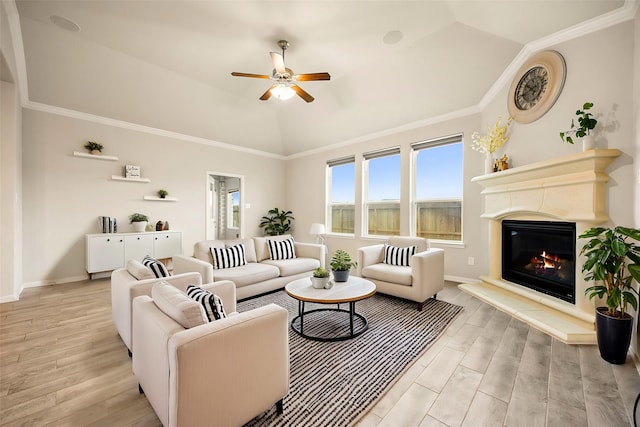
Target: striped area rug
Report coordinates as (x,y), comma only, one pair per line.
(333,383)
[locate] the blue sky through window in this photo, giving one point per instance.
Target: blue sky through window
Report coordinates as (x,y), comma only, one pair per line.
(439,172)
(343,183)
(384,178)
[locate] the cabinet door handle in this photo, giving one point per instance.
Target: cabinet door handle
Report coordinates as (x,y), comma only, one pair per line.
(138,238)
(108,240)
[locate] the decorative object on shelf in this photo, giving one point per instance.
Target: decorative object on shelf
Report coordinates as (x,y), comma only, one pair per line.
(491,141)
(501,164)
(166,225)
(536,86)
(132,171)
(277,222)
(320,278)
(163,193)
(341,263)
(139,221)
(93,147)
(108,224)
(613,260)
(587,123)
(159,226)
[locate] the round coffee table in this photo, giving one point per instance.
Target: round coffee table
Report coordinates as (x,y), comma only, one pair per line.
(351,291)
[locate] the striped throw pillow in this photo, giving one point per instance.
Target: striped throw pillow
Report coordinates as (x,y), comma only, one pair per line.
(211,302)
(158,268)
(281,249)
(394,255)
(233,256)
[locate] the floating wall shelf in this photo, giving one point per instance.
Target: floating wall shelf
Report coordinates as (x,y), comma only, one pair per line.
(160,199)
(95,156)
(122,178)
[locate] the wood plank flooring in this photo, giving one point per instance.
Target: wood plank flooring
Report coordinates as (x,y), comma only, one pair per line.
(63,364)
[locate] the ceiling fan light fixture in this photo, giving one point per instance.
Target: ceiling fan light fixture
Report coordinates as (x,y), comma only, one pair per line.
(282,91)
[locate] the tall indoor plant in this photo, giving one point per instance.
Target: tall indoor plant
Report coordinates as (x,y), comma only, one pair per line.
(613,262)
(276,222)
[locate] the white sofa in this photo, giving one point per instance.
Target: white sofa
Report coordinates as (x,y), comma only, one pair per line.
(222,373)
(261,274)
(422,279)
(135,280)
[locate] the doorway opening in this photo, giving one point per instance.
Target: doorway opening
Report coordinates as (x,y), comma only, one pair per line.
(225,215)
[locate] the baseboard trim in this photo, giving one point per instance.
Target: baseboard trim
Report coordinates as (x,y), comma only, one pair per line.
(40,283)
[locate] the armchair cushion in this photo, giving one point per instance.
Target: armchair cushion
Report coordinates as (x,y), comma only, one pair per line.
(388,273)
(177,305)
(139,271)
(229,257)
(211,302)
(158,268)
(394,255)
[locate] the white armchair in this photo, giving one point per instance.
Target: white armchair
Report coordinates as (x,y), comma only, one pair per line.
(221,373)
(422,279)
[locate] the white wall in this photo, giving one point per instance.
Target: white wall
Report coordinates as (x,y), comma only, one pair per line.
(600,69)
(64,195)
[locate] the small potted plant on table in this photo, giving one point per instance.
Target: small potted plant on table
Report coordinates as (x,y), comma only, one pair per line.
(613,260)
(139,221)
(320,278)
(341,263)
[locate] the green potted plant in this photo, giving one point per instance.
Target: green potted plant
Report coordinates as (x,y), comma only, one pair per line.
(341,263)
(138,221)
(163,193)
(93,147)
(613,261)
(320,278)
(276,222)
(586,122)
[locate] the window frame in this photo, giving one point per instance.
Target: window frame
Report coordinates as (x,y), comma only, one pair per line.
(366,158)
(329,193)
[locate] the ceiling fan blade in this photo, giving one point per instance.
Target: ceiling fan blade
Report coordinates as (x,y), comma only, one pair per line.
(265,96)
(255,76)
(312,77)
(278,62)
(302,93)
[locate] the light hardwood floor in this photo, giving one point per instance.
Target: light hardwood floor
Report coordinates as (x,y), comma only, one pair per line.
(63,364)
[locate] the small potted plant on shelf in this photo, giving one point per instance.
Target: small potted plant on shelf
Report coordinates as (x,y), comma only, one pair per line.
(320,278)
(613,261)
(587,123)
(93,147)
(139,221)
(341,263)
(163,193)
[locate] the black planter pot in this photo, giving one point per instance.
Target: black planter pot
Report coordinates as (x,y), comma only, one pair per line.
(614,336)
(340,275)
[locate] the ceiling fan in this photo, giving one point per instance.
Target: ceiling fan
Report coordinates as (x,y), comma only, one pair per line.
(285,85)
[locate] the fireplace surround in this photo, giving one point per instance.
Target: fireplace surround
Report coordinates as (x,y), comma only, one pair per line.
(570,189)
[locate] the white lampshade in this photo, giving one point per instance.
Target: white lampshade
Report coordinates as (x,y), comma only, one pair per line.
(282,92)
(316,229)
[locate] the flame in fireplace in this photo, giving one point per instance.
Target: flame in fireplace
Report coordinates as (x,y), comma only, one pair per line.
(546,261)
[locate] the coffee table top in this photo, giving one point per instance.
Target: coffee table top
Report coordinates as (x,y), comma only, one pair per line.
(355,289)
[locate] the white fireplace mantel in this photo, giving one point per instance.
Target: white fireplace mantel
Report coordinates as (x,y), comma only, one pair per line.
(570,188)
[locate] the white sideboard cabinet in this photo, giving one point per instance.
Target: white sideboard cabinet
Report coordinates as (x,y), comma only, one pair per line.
(107,252)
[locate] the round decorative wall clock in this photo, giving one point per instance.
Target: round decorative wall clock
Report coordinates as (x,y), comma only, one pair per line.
(536,86)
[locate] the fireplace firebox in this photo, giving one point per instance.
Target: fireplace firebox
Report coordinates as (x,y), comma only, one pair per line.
(540,255)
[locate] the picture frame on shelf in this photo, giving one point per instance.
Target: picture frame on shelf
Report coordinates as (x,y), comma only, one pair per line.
(132,171)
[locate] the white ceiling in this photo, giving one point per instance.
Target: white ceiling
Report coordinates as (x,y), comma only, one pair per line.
(167,64)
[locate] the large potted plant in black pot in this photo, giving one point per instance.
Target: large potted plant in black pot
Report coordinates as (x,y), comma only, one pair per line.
(341,263)
(613,262)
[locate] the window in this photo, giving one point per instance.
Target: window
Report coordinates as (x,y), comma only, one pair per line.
(233,205)
(382,205)
(438,188)
(341,176)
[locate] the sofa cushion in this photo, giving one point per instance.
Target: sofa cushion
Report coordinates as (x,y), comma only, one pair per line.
(158,268)
(228,257)
(211,302)
(281,249)
(139,271)
(262,249)
(202,250)
(394,255)
(388,273)
(289,267)
(249,248)
(177,305)
(248,274)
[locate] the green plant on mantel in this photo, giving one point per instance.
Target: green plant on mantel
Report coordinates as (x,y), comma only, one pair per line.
(138,217)
(586,122)
(613,259)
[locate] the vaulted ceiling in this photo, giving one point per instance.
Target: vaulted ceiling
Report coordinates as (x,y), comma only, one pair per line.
(167,64)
